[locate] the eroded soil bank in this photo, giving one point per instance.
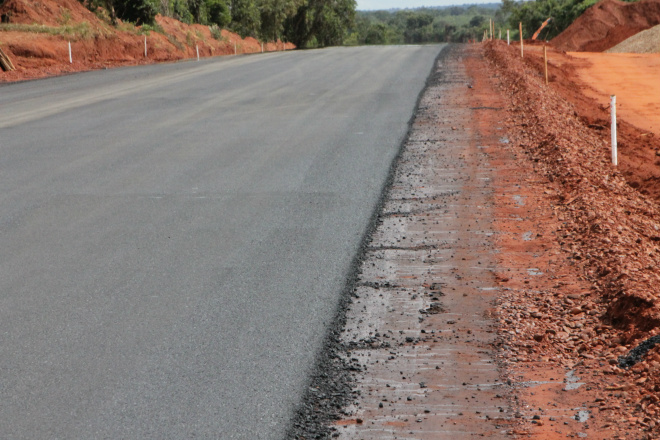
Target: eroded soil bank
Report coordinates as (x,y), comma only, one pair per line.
(36,37)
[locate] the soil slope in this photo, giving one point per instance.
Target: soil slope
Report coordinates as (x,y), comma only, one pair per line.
(647,41)
(608,231)
(606,24)
(35,36)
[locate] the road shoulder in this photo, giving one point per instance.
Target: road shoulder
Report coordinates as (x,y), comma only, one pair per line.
(422,327)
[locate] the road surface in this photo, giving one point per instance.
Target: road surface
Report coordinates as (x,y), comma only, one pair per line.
(175,237)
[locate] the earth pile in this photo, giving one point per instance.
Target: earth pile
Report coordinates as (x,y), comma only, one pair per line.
(607,24)
(647,41)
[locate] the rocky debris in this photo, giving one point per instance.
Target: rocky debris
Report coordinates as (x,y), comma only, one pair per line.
(330,390)
(637,353)
(609,236)
(609,229)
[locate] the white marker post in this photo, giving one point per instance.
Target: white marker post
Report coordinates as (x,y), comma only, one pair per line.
(615,160)
(235,49)
(507,38)
(197,49)
(145,46)
(70,57)
(262,47)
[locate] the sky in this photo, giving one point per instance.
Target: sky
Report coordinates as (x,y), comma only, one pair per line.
(370,5)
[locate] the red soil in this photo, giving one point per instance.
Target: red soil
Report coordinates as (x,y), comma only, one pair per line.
(49,13)
(96,44)
(605,219)
(633,78)
(606,24)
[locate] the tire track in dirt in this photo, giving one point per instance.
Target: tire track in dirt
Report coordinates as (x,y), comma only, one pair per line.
(421,325)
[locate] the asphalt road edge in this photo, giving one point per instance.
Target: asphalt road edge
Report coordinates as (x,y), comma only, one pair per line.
(330,386)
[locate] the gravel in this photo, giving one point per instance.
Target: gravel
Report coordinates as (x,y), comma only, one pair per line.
(647,41)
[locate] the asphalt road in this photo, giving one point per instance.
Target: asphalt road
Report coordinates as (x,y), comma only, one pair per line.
(174,238)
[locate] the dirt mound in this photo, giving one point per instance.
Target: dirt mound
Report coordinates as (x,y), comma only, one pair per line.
(607,24)
(647,41)
(36,35)
(609,213)
(608,229)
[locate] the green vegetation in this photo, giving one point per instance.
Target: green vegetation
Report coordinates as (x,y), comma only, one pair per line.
(80,31)
(146,29)
(423,25)
(306,23)
(216,32)
(532,15)
(320,22)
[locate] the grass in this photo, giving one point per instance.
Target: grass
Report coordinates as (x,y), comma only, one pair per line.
(79,31)
(175,42)
(65,17)
(216,32)
(146,29)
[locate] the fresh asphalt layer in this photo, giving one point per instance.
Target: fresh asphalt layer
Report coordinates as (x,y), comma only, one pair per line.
(175,238)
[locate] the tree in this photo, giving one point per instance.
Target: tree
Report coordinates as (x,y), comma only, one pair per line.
(377,34)
(273,15)
(217,12)
(419,28)
(245,18)
(320,23)
(135,11)
(477,21)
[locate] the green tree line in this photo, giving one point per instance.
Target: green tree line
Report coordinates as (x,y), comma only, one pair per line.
(422,25)
(463,23)
(305,23)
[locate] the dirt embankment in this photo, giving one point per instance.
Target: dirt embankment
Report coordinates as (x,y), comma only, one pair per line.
(647,41)
(611,209)
(607,24)
(608,230)
(36,36)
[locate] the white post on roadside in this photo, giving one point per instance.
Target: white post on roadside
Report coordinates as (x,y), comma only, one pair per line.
(145,46)
(70,57)
(615,160)
(235,49)
(507,38)
(262,47)
(197,49)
